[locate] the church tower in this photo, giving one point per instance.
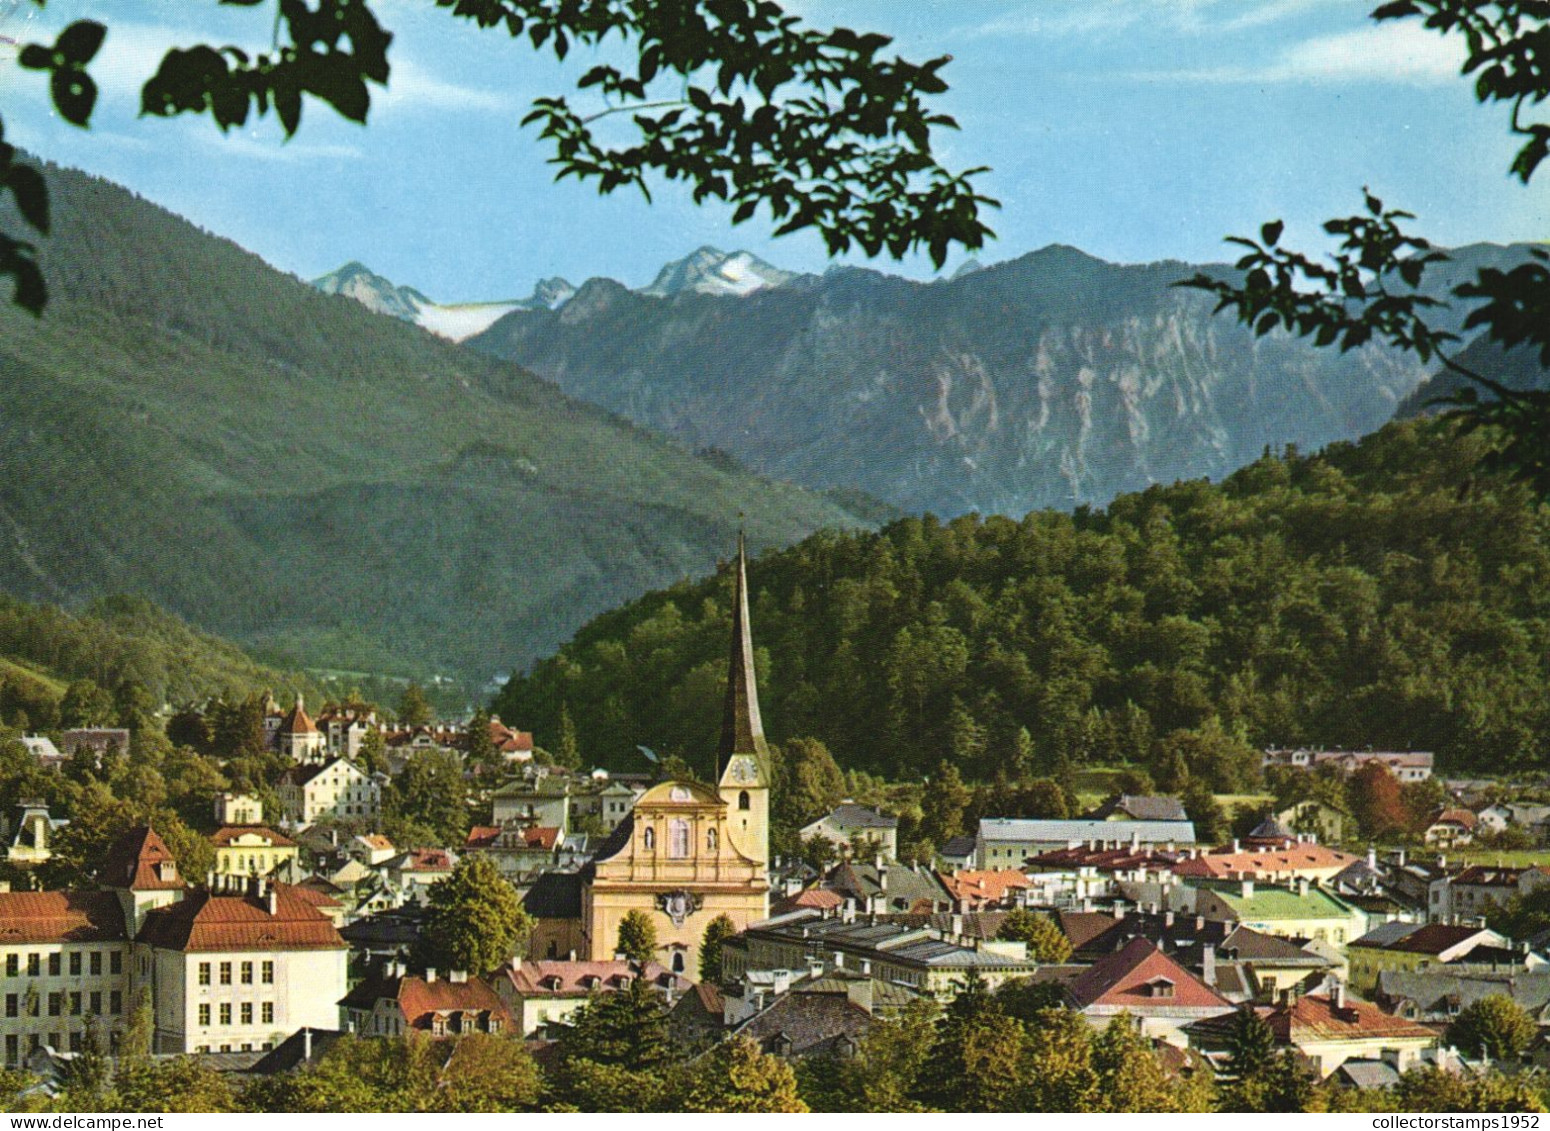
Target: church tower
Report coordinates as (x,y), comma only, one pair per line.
(743,756)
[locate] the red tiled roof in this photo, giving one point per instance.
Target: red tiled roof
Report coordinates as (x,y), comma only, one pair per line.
(482,836)
(1486,875)
(1081,927)
(60,916)
(375,840)
(1277,861)
(1314,1017)
(420,1000)
(203,922)
(297,722)
(425,860)
(820,898)
(1461,817)
(226,834)
(140,861)
(1120,980)
(984,886)
(569,979)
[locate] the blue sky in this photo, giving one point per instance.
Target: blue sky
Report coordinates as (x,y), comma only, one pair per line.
(1134,129)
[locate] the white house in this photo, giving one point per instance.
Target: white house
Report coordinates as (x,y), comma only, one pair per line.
(332,789)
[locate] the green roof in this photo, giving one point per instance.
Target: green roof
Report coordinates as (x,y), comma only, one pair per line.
(1284,903)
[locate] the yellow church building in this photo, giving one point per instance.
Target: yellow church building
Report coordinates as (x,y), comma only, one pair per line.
(688,852)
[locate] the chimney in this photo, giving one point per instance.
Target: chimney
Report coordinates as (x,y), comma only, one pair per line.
(516,962)
(306,1045)
(1208,965)
(430,974)
(1235,845)
(1338,995)
(457,975)
(1248,889)
(1119,909)
(274,901)
(1200,922)
(1302,887)
(1168,920)
(1372,857)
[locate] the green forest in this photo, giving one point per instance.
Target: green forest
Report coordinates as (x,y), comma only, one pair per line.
(1386,593)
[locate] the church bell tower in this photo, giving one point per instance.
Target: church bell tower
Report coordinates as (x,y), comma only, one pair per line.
(744,756)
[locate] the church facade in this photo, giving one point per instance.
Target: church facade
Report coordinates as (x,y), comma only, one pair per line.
(689,852)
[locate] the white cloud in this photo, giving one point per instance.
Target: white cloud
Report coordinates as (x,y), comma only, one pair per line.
(1386,53)
(254,145)
(1057,18)
(411,85)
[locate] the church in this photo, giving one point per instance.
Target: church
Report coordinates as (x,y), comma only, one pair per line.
(688,852)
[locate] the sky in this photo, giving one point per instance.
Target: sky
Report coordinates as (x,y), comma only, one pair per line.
(1136,130)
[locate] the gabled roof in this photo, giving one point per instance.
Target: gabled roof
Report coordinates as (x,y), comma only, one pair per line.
(983,886)
(958,847)
(853,816)
(809,1024)
(1142,807)
(423,860)
(1485,875)
(292,1053)
(1122,980)
(1081,927)
(902,887)
(1463,818)
(556,978)
(1275,861)
(1315,1017)
(140,861)
(303,774)
(1435,938)
(227,835)
(821,899)
(60,916)
(203,921)
(420,1000)
(1385,933)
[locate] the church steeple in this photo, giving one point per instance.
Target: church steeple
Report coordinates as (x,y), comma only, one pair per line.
(742,731)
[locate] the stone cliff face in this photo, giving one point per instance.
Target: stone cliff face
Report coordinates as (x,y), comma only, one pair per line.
(1051,380)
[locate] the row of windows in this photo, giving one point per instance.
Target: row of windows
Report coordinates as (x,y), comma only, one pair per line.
(244,972)
(678,839)
(247,1046)
(245,1013)
(56,963)
(75,1003)
(57,1041)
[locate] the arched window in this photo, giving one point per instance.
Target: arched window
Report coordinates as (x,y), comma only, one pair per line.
(678,962)
(650,840)
(743,801)
(678,839)
(710,840)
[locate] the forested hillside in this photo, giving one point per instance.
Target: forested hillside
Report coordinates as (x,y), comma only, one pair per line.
(115,641)
(1382,593)
(333,486)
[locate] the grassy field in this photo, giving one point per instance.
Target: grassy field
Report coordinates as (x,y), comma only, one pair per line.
(10,668)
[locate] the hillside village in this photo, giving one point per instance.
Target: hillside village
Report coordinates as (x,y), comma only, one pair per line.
(1363,965)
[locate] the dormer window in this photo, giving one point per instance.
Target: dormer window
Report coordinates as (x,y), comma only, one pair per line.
(1158,987)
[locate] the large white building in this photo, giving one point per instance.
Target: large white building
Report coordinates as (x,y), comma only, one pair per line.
(234,969)
(332,789)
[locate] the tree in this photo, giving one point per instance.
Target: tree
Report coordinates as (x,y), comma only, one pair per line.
(737,1077)
(1130,1076)
(944,803)
(85,705)
(811,783)
(614,1053)
(490,1074)
(567,750)
(481,756)
(637,937)
(717,931)
(1495,1027)
(476,922)
(1375,799)
(743,102)
(1205,811)
(430,797)
(177,1084)
(373,751)
(1372,286)
(414,709)
(1045,941)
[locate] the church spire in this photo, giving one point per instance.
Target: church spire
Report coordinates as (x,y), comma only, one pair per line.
(742,731)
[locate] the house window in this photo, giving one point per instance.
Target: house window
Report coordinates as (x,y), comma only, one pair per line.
(678,839)
(267,972)
(96,963)
(247,1013)
(116,963)
(34,965)
(247,973)
(55,1004)
(204,973)
(678,962)
(13,965)
(55,965)
(96,1002)
(13,1052)
(226,973)
(225,1013)
(75,1003)
(204,1013)
(75,964)
(13,1005)
(743,800)
(266,1011)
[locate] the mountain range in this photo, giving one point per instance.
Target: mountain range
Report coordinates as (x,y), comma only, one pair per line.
(1051,380)
(330,487)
